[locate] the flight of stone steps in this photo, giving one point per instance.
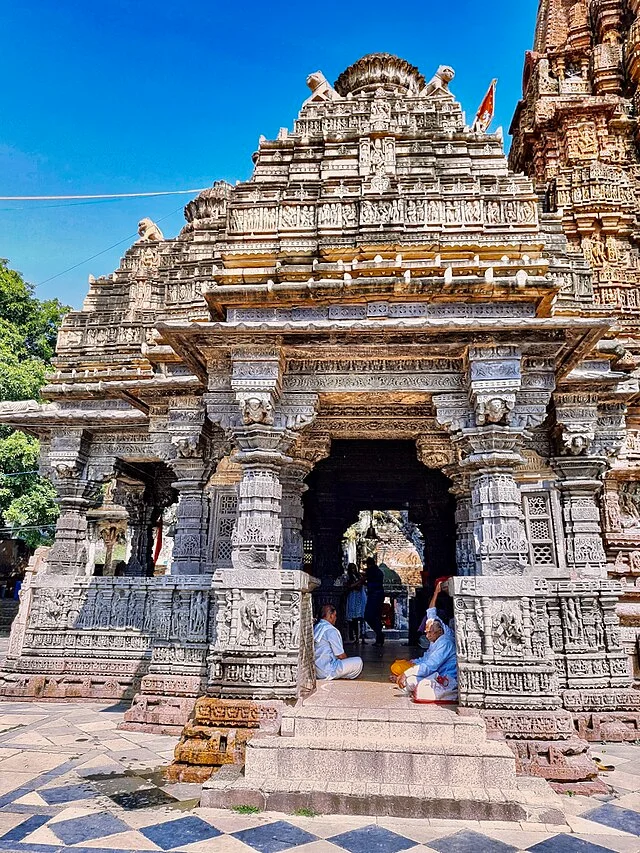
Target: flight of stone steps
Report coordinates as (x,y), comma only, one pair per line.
(420,761)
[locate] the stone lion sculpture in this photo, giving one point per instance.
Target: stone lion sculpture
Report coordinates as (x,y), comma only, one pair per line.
(148,230)
(440,80)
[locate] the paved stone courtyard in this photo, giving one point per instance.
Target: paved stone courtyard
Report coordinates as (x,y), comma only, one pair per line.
(69,780)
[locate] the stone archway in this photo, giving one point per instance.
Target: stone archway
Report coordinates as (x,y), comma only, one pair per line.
(375,474)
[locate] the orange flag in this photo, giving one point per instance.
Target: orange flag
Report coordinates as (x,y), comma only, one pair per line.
(484,116)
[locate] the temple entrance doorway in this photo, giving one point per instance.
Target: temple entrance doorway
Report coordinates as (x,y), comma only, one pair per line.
(378,486)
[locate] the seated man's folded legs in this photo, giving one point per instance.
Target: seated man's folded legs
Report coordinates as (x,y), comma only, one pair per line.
(349,668)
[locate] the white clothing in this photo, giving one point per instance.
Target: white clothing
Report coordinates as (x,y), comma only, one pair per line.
(429,688)
(327,643)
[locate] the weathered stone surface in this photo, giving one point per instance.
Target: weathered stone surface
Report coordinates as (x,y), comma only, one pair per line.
(382,275)
(217,735)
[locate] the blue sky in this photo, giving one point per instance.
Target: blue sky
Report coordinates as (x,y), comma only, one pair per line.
(127,96)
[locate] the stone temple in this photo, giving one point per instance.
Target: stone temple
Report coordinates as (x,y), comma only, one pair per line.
(385,315)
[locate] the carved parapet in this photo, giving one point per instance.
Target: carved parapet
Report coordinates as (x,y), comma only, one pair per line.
(585,637)
(104,636)
(263,644)
(504,654)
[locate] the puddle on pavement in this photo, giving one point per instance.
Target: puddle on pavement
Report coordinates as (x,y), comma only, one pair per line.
(141,789)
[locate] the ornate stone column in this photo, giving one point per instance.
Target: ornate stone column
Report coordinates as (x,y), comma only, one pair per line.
(580,484)
(131,495)
(489,455)
(262,646)
(195,459)
(293,487)
(189,550)
(77,493)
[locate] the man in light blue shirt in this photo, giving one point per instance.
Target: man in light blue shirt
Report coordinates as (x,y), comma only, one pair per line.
(331,660)
(434,676)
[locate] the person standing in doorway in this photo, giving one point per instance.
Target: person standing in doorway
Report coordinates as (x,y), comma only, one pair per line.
(375,599)
(356,603)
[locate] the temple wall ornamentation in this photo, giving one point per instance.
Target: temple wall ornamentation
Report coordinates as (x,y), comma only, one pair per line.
(383,279)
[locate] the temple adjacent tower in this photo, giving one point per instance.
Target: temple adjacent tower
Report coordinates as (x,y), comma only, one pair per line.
(576,134)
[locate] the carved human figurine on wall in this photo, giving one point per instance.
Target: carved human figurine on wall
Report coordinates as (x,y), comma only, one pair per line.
(257,411)
(253,622)
(496,410)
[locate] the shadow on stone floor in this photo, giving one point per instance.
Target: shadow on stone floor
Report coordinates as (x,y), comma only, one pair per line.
(377,660)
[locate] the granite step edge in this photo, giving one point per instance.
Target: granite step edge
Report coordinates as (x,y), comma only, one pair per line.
(484,749)
(512,804)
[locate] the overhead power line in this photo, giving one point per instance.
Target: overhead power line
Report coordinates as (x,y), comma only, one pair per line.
(97,255)
(106,195)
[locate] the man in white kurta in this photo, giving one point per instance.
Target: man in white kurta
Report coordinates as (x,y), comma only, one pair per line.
(331,660)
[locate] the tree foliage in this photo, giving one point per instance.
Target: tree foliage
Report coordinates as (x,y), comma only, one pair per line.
(28,330)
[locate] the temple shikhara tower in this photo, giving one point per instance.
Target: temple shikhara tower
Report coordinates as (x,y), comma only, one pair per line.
(385,316)
(576,134)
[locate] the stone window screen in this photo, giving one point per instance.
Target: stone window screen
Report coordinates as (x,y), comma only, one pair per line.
(540,529)
(224,508)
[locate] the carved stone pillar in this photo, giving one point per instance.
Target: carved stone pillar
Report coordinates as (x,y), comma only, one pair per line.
(293,487)
(465,547)
(580,484)
(262,647)
(68,555)
(77,493)
(195,459)
(189,550)
(577,426)
(488,457)
(257,536)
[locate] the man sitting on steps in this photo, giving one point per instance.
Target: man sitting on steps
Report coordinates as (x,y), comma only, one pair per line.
(330,657)
(434,676)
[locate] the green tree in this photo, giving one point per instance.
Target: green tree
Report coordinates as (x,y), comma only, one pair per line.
(28,329)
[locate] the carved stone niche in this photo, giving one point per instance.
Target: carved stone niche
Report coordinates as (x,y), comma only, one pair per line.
(262,646)
(504,654)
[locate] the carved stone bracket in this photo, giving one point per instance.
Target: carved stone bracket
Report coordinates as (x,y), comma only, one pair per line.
(576,417)
(494,380)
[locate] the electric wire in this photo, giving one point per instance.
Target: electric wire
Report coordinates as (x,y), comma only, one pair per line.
(97,255)
(97,196)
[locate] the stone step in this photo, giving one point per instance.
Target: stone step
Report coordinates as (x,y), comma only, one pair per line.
(416,724)
(358,760)
(527,799)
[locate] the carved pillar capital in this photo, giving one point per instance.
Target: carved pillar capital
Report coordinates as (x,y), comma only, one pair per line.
(576,417)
